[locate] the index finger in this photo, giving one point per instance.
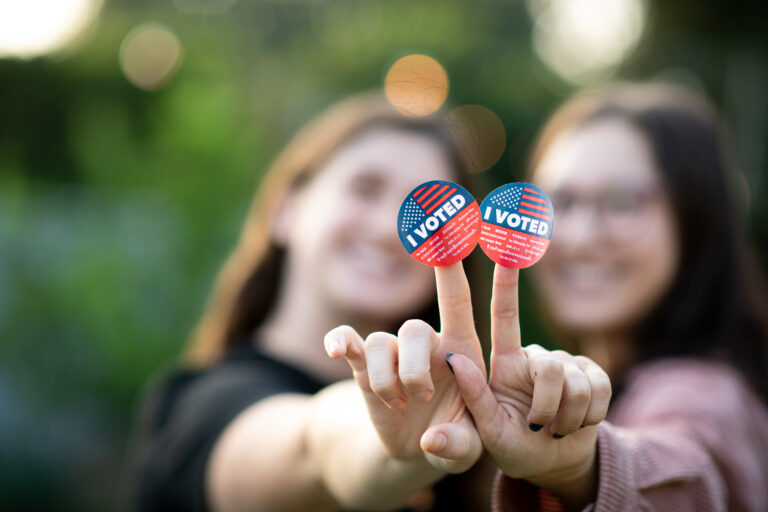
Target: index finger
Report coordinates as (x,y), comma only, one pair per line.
(454,301)
(505,312)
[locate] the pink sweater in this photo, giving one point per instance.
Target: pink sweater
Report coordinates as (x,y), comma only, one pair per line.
(685,435)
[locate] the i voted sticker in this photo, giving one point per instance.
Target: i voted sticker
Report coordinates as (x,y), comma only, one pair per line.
(517,225)
(439,223)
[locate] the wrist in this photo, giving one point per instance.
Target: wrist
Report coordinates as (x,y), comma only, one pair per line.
(575,486)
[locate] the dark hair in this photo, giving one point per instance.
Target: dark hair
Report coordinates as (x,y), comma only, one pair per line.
(716,306)
(247,285)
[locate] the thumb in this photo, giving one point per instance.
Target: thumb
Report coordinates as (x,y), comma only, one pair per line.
(478,397)
(453,447)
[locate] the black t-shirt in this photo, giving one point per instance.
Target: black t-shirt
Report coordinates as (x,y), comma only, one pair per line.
(183,416)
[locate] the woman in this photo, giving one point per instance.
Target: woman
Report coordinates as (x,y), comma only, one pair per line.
(648,275)
(255,422)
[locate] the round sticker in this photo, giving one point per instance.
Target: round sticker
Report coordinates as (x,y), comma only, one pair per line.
(517,225)
(439,223)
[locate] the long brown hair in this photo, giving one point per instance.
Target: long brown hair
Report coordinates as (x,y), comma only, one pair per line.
(247,285)
(716,306)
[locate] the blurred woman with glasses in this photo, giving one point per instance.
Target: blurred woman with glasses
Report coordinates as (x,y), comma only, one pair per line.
(650,281)
(649,274)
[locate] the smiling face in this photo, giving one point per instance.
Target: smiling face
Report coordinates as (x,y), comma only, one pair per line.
(340,229)
(614,249)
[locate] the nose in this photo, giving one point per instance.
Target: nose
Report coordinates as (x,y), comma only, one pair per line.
(579,230)
(382,222)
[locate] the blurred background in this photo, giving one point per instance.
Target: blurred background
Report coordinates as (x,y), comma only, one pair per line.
(133,133)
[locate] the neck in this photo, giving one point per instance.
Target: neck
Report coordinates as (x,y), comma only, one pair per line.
(295,329)
(613,351)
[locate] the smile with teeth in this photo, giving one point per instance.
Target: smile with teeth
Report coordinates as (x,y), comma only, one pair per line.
(588,275)
(372,259)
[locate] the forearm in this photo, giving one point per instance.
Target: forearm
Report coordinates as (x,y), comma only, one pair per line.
(260,461)
(348,457)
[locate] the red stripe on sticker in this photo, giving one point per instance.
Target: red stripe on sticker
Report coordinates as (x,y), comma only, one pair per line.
(435,196)
(419,191)
(425,194)
(536,199)
(533,214)
(530,191)
(534,206)
(441,201)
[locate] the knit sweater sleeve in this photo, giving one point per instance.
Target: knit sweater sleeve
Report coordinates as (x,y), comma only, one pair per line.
(685,436)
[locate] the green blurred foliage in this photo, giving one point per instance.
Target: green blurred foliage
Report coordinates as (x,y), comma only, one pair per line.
(118,206)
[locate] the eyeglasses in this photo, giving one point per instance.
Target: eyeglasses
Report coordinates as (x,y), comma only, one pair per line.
(622,210)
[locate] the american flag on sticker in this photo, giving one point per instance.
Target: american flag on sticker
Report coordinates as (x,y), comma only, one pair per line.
(524,200)
(439,223)
(423,201)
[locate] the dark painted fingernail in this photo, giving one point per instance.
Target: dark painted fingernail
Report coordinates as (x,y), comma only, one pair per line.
(535,427)
(448,361)
(557,436)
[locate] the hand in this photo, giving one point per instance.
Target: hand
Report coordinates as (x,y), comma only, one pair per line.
(413,400)
(530,413)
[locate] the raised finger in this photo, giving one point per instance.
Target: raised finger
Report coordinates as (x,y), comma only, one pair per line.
(415,342)
(380,358)
(454,301)
(505,312)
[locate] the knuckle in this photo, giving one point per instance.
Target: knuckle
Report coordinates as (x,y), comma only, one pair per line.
(456,300)
(583,360)
(550,368)
(577,386)
(414,379)
(579,394)
(414,326)
(343,329)
(510,312)
(601,384)
(377,339)
(534,348)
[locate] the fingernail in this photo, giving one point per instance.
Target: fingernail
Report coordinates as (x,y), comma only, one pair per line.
(557,436)
(439,442)
(397,404)
(448,360)
(535,427)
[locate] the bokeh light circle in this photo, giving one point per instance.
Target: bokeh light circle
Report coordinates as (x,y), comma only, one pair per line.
(29,28)
(416,85)
(583,41)
(150,56)
(480,136)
